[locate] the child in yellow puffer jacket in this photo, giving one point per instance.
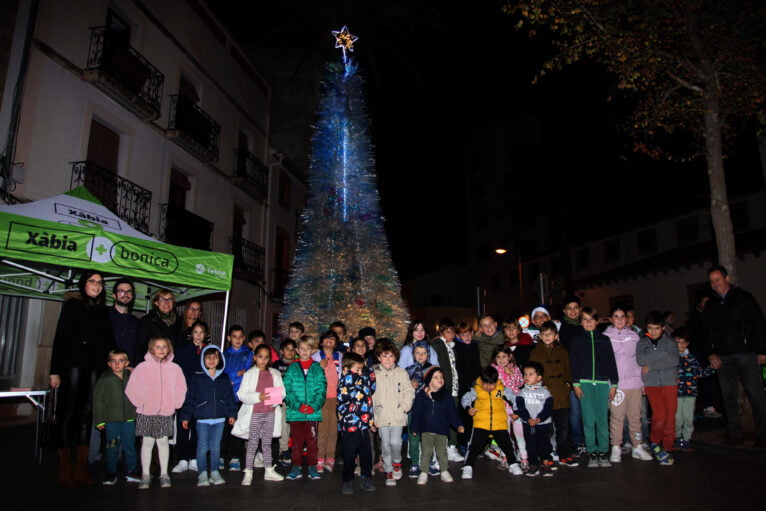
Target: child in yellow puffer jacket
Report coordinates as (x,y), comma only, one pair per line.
(485,402)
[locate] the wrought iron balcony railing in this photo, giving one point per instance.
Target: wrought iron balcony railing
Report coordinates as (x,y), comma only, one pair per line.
(193,129)
(131,202)
(123,73)
(181,227)
(249,258)
(251,174)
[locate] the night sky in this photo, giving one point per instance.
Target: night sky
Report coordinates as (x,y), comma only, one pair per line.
(437,73)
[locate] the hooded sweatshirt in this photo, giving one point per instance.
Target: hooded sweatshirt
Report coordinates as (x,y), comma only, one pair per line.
(624,344)
(157,387)
(415,370)
(210,398)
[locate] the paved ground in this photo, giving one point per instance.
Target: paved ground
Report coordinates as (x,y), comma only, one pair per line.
(710,478)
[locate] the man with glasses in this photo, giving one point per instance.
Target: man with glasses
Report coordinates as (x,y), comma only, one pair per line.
(124,323)
(161,321)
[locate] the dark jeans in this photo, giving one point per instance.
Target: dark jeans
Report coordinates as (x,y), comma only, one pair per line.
(561,425)
(76,406)
(538,441)
(575,420)
(353,444)
(121,434)
(232,446)
(743,367)
(186,441)
(479,439)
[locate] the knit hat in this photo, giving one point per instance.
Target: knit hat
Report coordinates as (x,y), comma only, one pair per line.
(364,332)
(428,374)
(540,308)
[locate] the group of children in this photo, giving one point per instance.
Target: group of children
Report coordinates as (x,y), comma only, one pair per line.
(295,407)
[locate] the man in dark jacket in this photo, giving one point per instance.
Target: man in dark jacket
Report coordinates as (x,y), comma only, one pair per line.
(735,344)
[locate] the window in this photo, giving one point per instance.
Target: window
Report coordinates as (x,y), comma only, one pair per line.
(612,252)
(103,150)
(285,186)
(179,185)
(238,227)
(687,231)
(647,241)
(437,300)
(187,88)
(582,258)
(103,146)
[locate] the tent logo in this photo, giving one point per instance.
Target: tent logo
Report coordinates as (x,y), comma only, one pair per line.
(58,243)
(45,240)
(99,249)
(145,258)
(202,269)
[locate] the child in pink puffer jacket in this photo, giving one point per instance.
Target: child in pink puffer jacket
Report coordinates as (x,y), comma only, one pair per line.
(157,387)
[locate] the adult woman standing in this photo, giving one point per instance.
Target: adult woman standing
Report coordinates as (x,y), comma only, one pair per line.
(192,313)
(80,350)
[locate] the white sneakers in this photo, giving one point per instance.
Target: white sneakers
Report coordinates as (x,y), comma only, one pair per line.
(466,472)
(182,466)
(616,455)
(446,477)
(453,454)
(423,478)
(247,479)
(258,463)
(515,469)
(271,474)
(640,453)
(193,465)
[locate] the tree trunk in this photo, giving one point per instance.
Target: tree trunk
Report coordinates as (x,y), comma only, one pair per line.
(719,202)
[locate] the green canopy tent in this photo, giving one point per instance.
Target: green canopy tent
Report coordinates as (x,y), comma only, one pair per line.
(44,244)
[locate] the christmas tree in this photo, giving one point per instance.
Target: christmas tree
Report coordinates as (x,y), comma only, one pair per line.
(342,269)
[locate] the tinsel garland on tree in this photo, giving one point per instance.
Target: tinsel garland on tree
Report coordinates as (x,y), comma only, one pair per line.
(342,269)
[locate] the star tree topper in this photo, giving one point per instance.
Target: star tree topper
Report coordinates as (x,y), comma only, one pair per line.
(344,39)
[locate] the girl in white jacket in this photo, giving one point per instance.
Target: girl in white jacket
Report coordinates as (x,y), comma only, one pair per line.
(258,421)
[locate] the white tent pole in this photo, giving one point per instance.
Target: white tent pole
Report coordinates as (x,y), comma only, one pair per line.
(32,270)
(20,286)
(225,316)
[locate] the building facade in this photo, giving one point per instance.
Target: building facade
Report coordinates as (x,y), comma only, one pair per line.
(158,112)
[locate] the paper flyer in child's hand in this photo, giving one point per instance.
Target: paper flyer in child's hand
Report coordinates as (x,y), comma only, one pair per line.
(275,396)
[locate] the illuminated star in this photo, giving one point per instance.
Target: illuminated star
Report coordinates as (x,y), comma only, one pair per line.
(344,39)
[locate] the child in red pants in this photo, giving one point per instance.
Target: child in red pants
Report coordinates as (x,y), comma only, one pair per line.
(658,355)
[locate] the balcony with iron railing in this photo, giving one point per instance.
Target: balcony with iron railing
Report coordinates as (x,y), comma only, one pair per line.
(129,201)
(193,129)
(124,74)
(249,259)
(181,227)
(251,174)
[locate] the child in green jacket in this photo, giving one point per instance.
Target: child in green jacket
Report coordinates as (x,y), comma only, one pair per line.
(114,413)
(305,387)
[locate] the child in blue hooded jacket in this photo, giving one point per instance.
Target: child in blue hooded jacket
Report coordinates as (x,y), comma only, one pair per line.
(238,359)
(209,400)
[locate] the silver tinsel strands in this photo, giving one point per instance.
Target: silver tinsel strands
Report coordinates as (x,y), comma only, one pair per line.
(342,269)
